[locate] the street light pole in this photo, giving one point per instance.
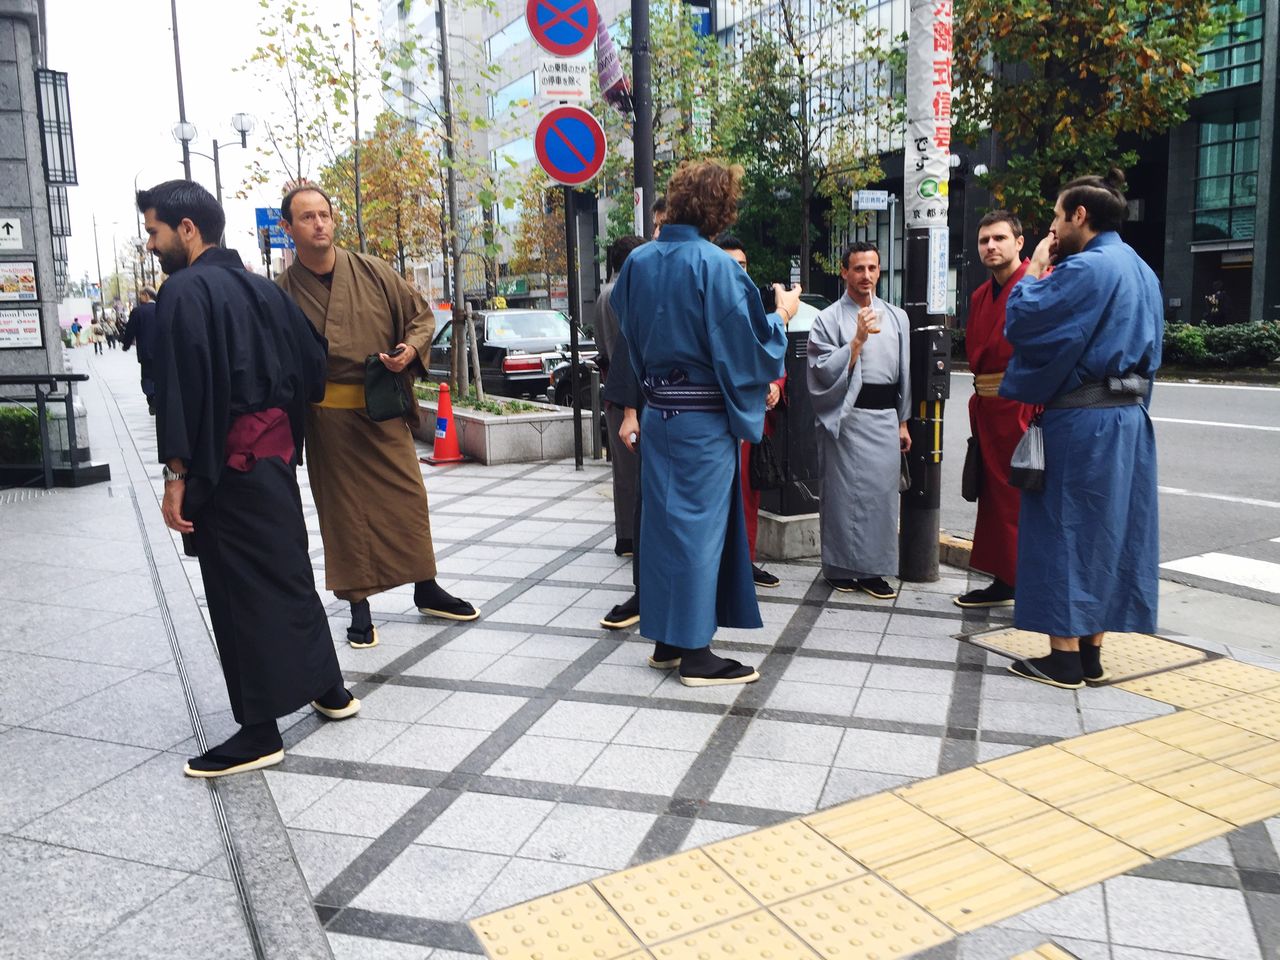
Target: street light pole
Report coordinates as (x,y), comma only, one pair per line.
(97,255)
(182,106)
(642,96)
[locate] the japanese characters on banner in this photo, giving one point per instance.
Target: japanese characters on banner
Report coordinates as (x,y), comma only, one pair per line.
(928,146)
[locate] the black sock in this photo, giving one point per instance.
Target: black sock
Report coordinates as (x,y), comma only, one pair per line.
(1091,659)
(252,740)
(663,652)
(336,697)
(361,617)
(701,660)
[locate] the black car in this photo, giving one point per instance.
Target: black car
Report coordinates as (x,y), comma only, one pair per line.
(520,352)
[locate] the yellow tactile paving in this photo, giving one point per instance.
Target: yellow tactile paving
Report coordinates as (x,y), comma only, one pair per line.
(1053,775)
(1204,736)
(756,936)
(1128,753)
(1261,763)
(1178,689)
(675,896)
(783,862)
(1061,851)
(1248,712)
(1222,792)
(967,887)
(971,801)
(1144,818)
(574,924)
(1244,677)
(881,830)
(1046,951)
(863,919)
(1125,655)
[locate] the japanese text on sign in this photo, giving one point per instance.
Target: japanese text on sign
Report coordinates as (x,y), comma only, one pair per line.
(928,113)
(564,79)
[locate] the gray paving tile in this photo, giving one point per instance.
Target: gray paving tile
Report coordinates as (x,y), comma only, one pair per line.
(412,885)
(794,742)
(103,890)
(151,814)
(347,947)
(612,678)
(887,676)
(1216,851)
(546,758)
(772,784)
(1013,716)
(838,673)
(638,769)
(1008,687)
(843,785)
(180,923)
(356,739)
(322,856)
(1137,953)
(878,751)
(523,671)
(842,641)
(138,642)
(575,720)
(474,711)
(1082,915)
(126,593)
(906,625)
(940,649)
(393,701)
(588,836)
(536,614)
(676,729)
(145,710)
(546,647)
(823,698)
(523,879)
(451,665)
(483,640)
(359,808)
(1093,720)
(1180,918)
(486,823)
(706,831)
(45,770)
(428,747)
(991,751)
(294,792)
(31,686)
(903,706)
(864,621)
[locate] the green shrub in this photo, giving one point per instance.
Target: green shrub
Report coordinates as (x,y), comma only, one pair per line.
(1183,344)
(19,436)
(1237,345)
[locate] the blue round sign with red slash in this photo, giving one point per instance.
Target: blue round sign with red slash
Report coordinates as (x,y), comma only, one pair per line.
(570,145)
(565,28)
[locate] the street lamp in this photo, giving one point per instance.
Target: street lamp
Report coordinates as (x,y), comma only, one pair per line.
(184,132)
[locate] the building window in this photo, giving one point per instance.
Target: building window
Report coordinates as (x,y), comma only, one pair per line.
(517,31)
(1227,175)
(513,93)
(59,212)
(512,154)
(55,128)
(1236,55)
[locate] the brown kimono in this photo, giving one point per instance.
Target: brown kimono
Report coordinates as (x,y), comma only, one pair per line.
(365,476)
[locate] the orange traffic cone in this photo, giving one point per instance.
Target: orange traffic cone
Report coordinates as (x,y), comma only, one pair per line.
(445,449)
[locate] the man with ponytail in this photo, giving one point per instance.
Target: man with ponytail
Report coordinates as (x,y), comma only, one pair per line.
(1086,344)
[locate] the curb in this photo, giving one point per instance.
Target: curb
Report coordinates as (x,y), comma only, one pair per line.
(954,551)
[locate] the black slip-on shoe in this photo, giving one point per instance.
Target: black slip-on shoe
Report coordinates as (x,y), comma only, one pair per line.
(842,584)
(992,595)
(362,639)
(763,578)
(624,615)
(624,548)
(1045,670)
(877,587)
(730,671)
(337,713)
(215,764)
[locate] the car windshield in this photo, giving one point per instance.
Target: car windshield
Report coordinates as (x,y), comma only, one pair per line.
(527,325)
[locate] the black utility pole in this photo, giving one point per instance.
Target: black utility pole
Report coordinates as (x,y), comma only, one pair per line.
(182,106)
(458,352)
(642,96)
(575,315)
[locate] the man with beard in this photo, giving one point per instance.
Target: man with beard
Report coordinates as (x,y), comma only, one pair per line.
(364,474)
(1086,344)
(235,364)
(860,384)
(997,423)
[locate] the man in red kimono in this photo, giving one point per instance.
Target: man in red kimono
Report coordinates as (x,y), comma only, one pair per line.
(997,423)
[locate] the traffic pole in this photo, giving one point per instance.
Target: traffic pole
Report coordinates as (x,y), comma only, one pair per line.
(642,98)
(575,314)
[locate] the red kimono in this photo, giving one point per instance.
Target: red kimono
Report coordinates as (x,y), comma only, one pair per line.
(998,424)
(751,496)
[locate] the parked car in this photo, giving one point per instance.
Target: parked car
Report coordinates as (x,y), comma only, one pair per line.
(520,352)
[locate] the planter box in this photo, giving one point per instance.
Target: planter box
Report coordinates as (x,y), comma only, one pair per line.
(546,434)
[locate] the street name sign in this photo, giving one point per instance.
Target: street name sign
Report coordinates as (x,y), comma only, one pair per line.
(268,218)
(872,200)
(564,28)
(570,145)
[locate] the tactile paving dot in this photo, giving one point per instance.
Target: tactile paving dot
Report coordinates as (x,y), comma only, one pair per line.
(863,919)
(1061,851)
(1222,792)
(757,936)
(1147,819)
(1205,737)
(675,896)
(783,861)
(1178,689)
(574,924)
(1053,775)
(1261,763)
(881,830)
(1244,677)
(972,801)
(966,886)
(1128,753)
(1248,712)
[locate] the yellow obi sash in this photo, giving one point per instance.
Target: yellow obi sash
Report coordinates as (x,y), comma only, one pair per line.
(984,384)
(342,396)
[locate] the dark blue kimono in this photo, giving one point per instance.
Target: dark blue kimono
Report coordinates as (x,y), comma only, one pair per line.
(685,305)
(1088,544)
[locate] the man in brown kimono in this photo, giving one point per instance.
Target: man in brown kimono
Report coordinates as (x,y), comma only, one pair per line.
(364,474)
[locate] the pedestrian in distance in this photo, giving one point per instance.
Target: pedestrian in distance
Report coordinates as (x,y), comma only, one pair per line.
(705,352)
(98,333)
(997,424)
(860,383)
(1086,344)
(140,332)
(236,364)
(365,475)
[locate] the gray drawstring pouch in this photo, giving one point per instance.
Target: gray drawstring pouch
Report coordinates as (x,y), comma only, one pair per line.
(1026,469)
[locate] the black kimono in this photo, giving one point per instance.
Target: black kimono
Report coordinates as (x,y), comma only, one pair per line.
(229,343)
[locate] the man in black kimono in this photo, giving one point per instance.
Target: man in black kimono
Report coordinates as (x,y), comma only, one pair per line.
(236,363)
(140,331)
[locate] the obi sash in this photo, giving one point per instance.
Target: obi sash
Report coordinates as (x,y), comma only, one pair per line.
(258,436)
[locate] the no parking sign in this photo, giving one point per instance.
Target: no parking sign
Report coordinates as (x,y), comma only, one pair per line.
(563,27)
(570,145)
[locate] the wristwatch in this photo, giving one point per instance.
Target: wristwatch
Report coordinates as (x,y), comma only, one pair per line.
(171,475)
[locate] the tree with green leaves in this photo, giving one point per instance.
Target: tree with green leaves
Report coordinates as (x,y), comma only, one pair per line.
(539,242)
(1063,86)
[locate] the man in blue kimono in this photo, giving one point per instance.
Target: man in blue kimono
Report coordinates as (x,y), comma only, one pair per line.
(705,352)
(1086,344)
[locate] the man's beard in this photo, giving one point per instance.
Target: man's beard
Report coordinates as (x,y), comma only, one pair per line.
(1068,245)
(171,261)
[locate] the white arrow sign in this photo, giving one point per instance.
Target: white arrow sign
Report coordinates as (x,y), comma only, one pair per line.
(10,233)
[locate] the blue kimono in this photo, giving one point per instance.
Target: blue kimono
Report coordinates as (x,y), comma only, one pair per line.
(1088,544)
(685,306)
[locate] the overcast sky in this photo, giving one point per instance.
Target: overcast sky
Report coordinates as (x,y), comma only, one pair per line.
(119,58)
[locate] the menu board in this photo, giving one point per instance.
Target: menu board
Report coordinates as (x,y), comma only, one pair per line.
(18,281)
(20,328)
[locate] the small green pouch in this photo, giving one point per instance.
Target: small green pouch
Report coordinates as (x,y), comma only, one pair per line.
(384,393)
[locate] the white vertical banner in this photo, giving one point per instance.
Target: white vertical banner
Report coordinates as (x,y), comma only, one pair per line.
(928,146)
(637,199)
(939,259)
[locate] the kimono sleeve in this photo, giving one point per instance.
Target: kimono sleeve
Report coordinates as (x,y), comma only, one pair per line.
(183,375)
(833,387)
(904,363)
(412,309)
(1049,323)
(747,346)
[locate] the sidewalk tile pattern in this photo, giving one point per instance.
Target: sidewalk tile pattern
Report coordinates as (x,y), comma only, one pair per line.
(1128,654)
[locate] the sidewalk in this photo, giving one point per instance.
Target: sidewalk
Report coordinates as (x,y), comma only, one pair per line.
(503,760)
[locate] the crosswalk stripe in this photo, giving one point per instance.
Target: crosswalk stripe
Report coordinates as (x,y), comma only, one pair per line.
(1247,501)
(1241,571)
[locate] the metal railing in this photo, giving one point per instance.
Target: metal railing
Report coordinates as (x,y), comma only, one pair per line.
(42,387)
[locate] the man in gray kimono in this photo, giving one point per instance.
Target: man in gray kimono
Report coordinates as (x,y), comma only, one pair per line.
(859,380)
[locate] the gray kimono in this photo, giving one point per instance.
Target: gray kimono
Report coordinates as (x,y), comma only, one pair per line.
(858,449)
